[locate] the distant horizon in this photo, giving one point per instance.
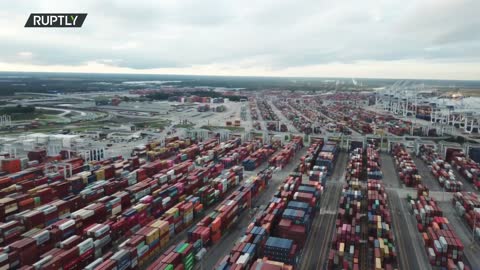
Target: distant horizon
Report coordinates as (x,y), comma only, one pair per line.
(237,76)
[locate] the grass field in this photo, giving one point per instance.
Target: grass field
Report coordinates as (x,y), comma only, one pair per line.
(38,114)
(185,126)
(234,129)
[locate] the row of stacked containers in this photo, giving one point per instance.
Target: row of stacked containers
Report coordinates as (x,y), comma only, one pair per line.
(308,109)
(283,157)
(257,158)
(467,205)
(443,247)
(308,163)
(275,238)
(407,170)
(73,222)
(253,108)
(363,121)
(441,170)
(466,167)
(266,110)
(327,156)
(364,238)
(210,229)
(301,123)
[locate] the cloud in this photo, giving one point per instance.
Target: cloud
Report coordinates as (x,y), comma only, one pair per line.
(25,54)
(269,35)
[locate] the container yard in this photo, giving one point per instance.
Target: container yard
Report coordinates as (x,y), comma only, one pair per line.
(323,182)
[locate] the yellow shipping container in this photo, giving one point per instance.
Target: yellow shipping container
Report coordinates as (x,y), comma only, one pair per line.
(382,247)
(156,192)
(341,249)
(152,236)
(164,241)
(140,207)
(378,264)
(182,198)
(171,212)
(100,174)
(385,251)
(162,226)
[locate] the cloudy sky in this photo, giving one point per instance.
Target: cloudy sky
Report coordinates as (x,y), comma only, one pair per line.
(319,38)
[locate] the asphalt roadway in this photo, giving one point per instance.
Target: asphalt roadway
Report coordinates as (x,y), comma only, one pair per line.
(409,246)
(315,252)
(427,177)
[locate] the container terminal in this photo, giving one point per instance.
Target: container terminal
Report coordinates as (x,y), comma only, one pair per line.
(266,180)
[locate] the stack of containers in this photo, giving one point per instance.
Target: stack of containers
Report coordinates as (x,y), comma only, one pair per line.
(264,264)
(210,229)
(86,219)
(425,209)
(441,170)
(283,157)
(296,222)
(407,170)
(266,111)
(253,109)
(345,244)
(379,227)
(281,249)
(354,168)
(467,205)
(373,163)
(237,155)
(100,206)
(257,158)
(467,167)
(444,248)
(278,232)
(327,156)
(307,162)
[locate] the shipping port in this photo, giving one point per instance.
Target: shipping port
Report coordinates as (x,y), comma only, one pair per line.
(171,177)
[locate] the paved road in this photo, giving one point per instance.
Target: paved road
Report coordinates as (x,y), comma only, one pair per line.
(427,177)
(283,119)
(223,248)
(315,254)
(410,252)
(390,176)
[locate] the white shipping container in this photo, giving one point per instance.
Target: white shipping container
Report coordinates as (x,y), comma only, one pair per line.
(66,224)
(85,246)
(42,237)
(102,242)
(94,264)
(38,264)
(101,231)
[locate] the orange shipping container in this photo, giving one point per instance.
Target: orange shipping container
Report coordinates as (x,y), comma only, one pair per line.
(216,236)
(11,165)
(216,224)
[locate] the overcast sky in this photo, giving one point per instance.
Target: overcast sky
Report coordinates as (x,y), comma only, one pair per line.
(320,38)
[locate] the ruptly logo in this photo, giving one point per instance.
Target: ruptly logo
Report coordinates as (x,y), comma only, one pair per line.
(56,20)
